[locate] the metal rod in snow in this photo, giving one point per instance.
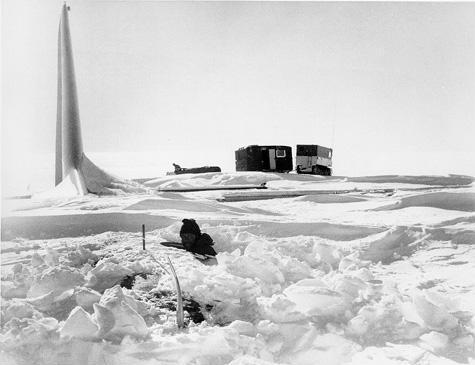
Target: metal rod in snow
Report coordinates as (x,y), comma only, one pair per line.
(180,316)
(143,235)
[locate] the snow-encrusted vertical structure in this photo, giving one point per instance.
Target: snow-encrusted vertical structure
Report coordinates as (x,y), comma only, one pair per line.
(73,168)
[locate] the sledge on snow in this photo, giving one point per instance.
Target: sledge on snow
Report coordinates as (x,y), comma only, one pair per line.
(193,170)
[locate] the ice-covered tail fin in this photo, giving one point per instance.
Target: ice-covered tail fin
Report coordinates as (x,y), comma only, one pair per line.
(72,166)
(69,150)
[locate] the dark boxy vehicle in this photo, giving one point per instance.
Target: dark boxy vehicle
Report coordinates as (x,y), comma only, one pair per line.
(313,159)
(264,158)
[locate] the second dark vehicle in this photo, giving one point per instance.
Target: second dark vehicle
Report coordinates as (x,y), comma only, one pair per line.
(310,159)
(264,158)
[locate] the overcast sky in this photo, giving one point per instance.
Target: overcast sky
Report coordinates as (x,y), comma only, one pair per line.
(390,86)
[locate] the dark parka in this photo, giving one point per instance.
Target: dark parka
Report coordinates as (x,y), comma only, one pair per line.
(203,241)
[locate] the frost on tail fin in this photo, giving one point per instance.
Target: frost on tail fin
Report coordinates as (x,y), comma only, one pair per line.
(74,172)
(69,150)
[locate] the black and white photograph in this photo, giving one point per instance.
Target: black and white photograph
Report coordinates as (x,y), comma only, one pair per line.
(237,182)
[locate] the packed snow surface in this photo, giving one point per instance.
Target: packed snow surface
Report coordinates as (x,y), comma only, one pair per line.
(368,270)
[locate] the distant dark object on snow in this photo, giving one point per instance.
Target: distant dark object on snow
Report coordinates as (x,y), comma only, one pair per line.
(264,158)
(313,159)
(310,159)
(193,170)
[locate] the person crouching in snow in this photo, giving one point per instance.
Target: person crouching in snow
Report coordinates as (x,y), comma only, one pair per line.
(195,241)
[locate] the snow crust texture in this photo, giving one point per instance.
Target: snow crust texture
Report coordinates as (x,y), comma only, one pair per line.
(364,277)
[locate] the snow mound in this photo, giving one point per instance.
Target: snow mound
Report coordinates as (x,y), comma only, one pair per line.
(317,279)
(391,245)
(188,206)
(329,348)
(330,199)
(424,180)
(211,179)
(464,201)
(250,360)
(338,232)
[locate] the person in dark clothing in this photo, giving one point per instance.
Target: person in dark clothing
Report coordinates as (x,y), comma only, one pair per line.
(195,241)
(177,167)
(203,245)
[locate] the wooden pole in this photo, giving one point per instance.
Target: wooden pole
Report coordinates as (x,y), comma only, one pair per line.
(143,235)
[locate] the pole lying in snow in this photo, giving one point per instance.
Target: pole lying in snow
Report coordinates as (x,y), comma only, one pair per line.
(143,236)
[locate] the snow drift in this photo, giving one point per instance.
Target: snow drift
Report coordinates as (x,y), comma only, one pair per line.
(356,278)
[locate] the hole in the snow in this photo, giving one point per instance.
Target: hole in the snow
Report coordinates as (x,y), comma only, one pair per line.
(129,280)
(167,299)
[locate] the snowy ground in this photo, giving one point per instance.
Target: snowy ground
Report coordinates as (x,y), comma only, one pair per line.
(362,277)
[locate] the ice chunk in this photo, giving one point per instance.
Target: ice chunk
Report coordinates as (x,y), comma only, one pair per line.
(36,260)
(251,360)
(140,266)
(392,354)
(17,309)
(351,262)
(52,257)
(434,341)
(10,290)
(312,298)
(327,253)
(294,269)
(328,349)
(256,248)
(381,321)
(435,317)
(374,289)
(17,268)
(409,312)
(79,324)
(126,320)
(105,275)
(279,308)
(55,279)
(104,319)
(363,274)
(349,285)
(54,304)
(22,276)
(244,328)
(27,333)
(224,258)
(255,267)
(358,326)
(450,304)
(81,256)
(221,287)
(86,297)
(464,341)
(136,305)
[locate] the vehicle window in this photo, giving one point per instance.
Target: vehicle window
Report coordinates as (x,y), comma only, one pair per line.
(280,153)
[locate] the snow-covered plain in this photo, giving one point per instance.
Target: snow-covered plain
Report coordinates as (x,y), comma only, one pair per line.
(368,276)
